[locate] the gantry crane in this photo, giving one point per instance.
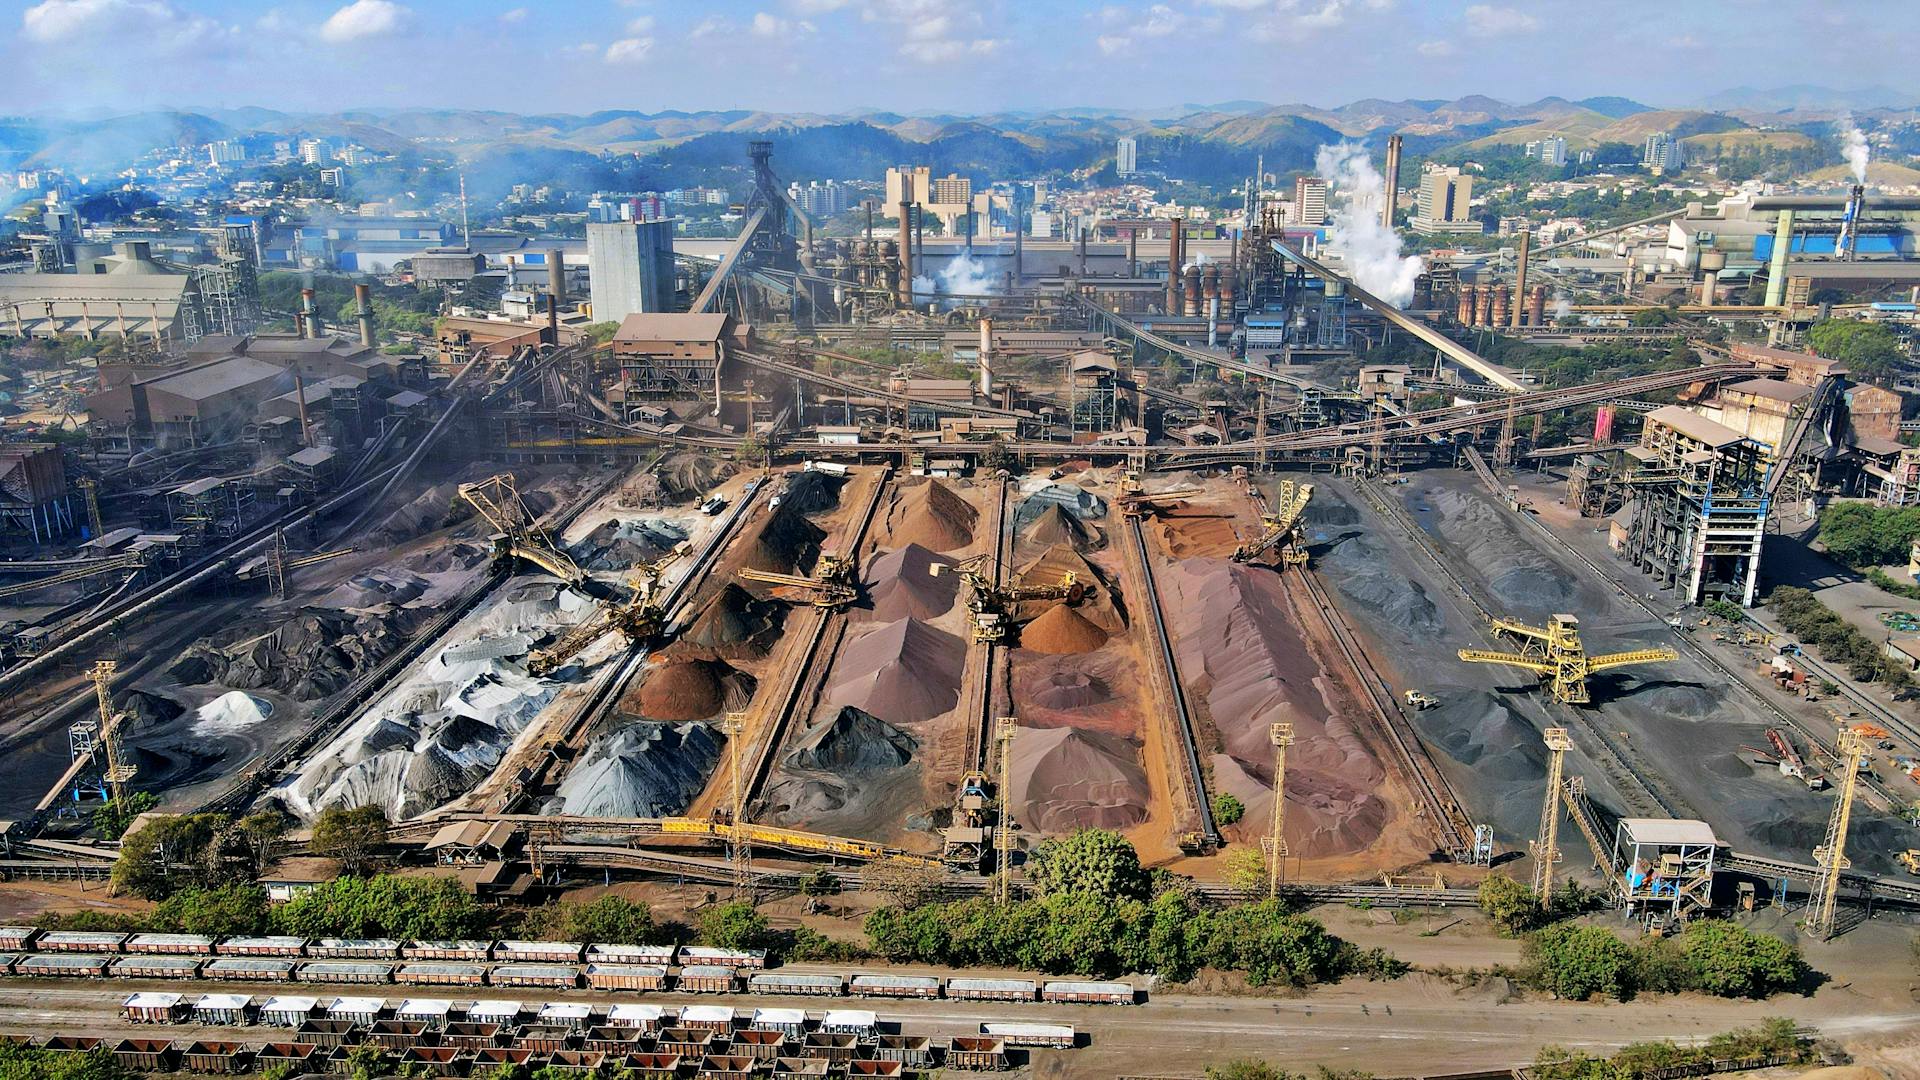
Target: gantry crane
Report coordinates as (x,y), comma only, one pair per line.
(1831,856)
(114,772)
(515,533)
(1556,655)
(831,585)
(641,618)
(1546,848)
(990,606)
(1003,829)
(1276,841)
(132,561)
(1280,528)
(1136,502)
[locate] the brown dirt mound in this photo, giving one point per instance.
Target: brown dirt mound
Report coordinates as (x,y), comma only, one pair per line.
(932,516)
(734,626)
(1101,607)
(1197,533)
(1326,816)
(787,544)
(684,689)
(1056,526)
(901,585)
(1060,629)
(1069,690)
(903,672)
(1066,779)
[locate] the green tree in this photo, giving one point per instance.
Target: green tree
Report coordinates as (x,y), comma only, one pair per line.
(1089,861)
(1272,946)
(368,1061)
(1512,906)
(350,835)
(1577,962)
(110,821)
(221,911)
(382,906)
(611,920)
(1245,868)
(733,925)
(1732,961)
(1869,349)
(258,835)
(168,853)
(1227,809)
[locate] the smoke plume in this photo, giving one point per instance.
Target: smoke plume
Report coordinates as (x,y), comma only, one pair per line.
(966,276)
(1371,250)
(1853,144)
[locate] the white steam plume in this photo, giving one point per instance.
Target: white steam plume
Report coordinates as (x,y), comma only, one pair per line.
(1561,308)
(1853,144)
(1371,250)
(966,276)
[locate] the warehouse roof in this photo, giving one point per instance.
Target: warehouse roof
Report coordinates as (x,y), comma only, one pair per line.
(214,378)
(1668,831)
(1694,426)
(103,288)
(673,326)
(1775,389)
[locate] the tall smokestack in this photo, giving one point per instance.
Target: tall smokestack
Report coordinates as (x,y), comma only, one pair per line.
(986,358)
(1082,252)
(1520,276)
(1173,266)
(363,308)
(300,400)
(553,319)
(906,254)
(1393,181)
(1133,252)
(557,274)
(313,317)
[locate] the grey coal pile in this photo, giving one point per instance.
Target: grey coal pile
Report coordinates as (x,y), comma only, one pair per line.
(1239,650)
(376,587)
(735,626)
(811,492)
(1356,562)
(849,765)
(901,585)
(621,545)
(684,688)
(686,474)
(642,770)
(902,672)
(1077,502)
(1326,816)
(317,653)
(1067,778)
(931,515)
(1054,525)
(787,544)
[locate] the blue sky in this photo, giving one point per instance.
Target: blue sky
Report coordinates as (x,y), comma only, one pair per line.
(918,55)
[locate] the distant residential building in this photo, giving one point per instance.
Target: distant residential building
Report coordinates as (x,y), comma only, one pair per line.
(952,190)
(626,206)
(630,264)
(1042,224)
(1126,160)
(312,151)
(820,199)
(226,152)
(1662,152)
(1445,204)
(909,183)
(1309,201)
(1550,151)
(333,178)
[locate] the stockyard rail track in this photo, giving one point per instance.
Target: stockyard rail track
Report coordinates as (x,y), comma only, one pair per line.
(607,687)
(802,685)
(1169,668)
(983,717)
(329,722)
(1441,803)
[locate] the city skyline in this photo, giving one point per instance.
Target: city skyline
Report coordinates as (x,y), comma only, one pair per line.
(921,56)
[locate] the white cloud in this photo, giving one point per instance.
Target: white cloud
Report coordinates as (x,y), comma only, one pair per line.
(711,26)
(946,50)
(157,22)
(518,14)
(768,25)
(364,19)
(933,31)
(1157,21)
(631,50)
(1489,21)
(1435,48)
(816,7)
(640,27)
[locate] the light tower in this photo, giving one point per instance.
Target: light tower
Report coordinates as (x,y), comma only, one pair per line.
(115,774)
(1546,849)
(740,847)
(1003,829)
(1276,841)
(1831,856)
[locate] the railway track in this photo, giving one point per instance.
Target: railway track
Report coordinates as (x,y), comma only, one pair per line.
(1442,803)
(1176,691)
(980,734)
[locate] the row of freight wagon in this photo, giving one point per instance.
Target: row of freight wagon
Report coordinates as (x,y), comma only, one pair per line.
(18,939)
(688,978)
(209,1057)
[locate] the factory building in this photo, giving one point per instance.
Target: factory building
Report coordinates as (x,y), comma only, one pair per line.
(631,265)
(194,405)
(1697,514)
(666,356)
(33,491)
(447,266)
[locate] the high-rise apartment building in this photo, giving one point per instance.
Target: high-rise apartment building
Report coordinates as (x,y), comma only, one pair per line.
(312,151)
(909,183)
(1662,152)
(1446,203)
(1550,151)
(631,267)
(1309,201)
(1126,159)
(226,152)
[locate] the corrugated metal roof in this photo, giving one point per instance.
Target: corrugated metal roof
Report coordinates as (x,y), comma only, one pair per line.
(1666,831)
(1694,426)
(672,326)
(495,1008)
(219,377)
(248,963)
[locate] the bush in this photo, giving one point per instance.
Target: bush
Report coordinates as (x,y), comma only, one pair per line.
(382,906)
(1513,907)
(23,1063)
(1092,861)
(1227,810)
(218,912)
(1731,961)
(610,920)
(1577,962)
(734,925)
